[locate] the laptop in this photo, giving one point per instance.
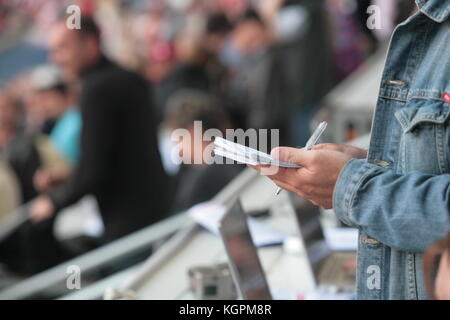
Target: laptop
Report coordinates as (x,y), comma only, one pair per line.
(245,265)
(330,268)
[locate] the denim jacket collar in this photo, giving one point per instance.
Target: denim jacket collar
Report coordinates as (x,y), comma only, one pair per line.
(437,10)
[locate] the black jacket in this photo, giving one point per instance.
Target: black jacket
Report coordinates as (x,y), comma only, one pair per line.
(199,184)
(120,163)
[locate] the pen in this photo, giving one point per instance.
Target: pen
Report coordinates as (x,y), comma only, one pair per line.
(313,140)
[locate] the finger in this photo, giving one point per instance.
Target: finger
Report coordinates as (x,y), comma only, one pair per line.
(264,170)
(300,193)
(301,157)
(293,177)
(291,188)
(273,171)
(257,168)
(327,146)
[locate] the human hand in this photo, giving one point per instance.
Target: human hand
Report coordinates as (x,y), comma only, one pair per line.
(316,180)
(46,178)
(354,152)
(42,180)
(41,209)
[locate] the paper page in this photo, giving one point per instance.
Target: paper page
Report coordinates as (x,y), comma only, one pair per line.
(209,214)
(246,155)
(342,239)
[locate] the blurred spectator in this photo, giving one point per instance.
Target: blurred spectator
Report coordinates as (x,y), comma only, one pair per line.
(348,36)
(190,70)
(161,60)
(233,8)
(304,46)
(16,147)
(9,190)
(57,101)
(119,159)
(198,182)
(32,247)
(218,29)
(258,86)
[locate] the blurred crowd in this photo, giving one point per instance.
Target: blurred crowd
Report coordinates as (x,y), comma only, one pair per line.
(263,64)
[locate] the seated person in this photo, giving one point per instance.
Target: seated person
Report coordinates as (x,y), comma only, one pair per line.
(197,181)
(9,190)
(56,99)
(32,247)
(17,148)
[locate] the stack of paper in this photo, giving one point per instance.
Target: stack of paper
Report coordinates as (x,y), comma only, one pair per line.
(209,214)
(342,239)
(246,155)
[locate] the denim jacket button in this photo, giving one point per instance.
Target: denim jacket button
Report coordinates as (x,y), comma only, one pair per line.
(398,83)
(381,163)
(367,240)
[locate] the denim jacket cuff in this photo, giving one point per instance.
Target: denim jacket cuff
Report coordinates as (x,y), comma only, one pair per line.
(347,185)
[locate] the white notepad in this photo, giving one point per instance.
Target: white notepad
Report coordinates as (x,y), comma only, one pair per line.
(246,155)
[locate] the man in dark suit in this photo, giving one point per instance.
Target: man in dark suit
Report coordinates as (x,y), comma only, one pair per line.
(120,163)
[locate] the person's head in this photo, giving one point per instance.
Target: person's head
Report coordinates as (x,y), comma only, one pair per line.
(232,8)
(437,270)
(250,34)
(9,112)
(187,106)
(160,61)
(75,50)
(188,42)
(218,27)
(51,92)
(53,101)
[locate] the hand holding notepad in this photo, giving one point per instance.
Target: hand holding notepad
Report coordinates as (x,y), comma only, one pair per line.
(246,155)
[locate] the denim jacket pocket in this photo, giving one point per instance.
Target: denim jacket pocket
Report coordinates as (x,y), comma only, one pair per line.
(425,138)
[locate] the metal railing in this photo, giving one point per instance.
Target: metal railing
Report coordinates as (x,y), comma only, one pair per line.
(94,260)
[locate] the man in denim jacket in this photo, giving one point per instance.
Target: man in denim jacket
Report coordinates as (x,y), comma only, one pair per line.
(398,193)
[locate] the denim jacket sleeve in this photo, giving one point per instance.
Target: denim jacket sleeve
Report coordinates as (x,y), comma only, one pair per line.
(408,212)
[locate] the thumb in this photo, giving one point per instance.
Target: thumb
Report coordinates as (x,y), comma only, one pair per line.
(301,157)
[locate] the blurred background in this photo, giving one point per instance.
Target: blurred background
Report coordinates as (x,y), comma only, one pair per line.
(263,64)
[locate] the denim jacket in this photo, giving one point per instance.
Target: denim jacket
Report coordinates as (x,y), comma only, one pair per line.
(399,196)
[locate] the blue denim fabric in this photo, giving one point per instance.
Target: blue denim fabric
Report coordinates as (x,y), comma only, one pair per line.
(399,196)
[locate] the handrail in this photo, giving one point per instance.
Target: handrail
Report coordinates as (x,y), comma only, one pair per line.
(126,246)
(13,220)
(176,243)
(96,258)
